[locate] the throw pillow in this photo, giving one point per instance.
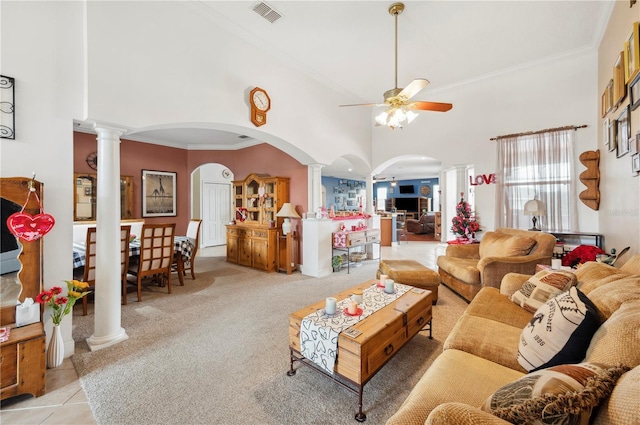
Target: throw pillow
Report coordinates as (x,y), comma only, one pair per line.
(564,394)
(559,332)
(539,288)
(495,244)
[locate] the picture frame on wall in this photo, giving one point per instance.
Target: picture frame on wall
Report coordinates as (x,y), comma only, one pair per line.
(613,128)
(634,93)
(632,54)
(633,144)
(623,132)
(159,193)
(619,85)
(605,133)
(635,164)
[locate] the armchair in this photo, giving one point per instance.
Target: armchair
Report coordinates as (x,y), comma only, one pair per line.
(467,268)
(425,224)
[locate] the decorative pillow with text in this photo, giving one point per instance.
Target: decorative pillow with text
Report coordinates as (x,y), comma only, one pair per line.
(559,332)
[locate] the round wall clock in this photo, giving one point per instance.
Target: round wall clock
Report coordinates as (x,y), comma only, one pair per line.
(260,104)
(226,173)
(425,190)
(92,160)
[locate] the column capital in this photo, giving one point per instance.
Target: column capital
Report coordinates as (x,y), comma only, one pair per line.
(108,130)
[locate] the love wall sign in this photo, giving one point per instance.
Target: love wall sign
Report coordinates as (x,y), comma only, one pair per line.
(482,179)
(29,227)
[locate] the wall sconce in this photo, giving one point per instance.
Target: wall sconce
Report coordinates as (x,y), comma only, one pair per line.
(7,108)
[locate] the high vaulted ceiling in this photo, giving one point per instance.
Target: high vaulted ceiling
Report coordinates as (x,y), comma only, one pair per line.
(349,45)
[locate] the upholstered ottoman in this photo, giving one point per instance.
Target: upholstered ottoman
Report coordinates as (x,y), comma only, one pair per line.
(412,273)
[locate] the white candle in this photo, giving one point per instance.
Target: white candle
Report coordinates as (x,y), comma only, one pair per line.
(383,279)
(389,286)
(352,307)
(556,263)
(330,305)
(357,297)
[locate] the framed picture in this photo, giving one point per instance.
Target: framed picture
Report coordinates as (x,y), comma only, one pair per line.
(613,129)
(87,191)
(158,193)
(633,144)
(634,93)
(610,95)
(619,85)
(635,164)
(632,54)
(605,133)
(623,132)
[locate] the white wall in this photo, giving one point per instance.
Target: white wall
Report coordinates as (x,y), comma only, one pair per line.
(544,95)
(42,50)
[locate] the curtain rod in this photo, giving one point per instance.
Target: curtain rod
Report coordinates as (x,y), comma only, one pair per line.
(548,130)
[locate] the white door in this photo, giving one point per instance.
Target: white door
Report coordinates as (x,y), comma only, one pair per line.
(215,213)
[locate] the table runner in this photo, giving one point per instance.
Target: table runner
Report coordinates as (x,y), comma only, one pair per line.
(319,331)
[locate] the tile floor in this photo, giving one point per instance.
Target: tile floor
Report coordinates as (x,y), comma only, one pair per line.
(65,402)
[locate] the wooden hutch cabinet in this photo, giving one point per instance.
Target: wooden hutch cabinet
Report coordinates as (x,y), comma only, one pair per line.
(252,241)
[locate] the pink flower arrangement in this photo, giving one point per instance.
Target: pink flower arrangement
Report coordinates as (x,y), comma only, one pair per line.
(464,223)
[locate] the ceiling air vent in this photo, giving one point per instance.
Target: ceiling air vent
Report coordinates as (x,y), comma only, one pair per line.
(242,136)
(267,12)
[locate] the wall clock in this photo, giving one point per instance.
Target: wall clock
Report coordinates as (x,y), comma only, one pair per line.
(425,190)
(226,173)
(260,105)
(92,160)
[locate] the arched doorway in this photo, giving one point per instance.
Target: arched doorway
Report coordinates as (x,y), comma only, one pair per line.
(211,187)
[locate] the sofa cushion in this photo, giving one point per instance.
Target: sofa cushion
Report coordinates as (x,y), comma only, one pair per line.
(487,339)
(495,244)
(491,304)
(617,341)
(592,275)
(609,297)
(559,332)
(564,394)
(454,376)
(462,269)
(622,407)
(542,286)
(632,266)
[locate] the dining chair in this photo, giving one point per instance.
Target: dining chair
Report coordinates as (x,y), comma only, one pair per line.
(401,221)
(89,272)
(193,232)
(156,255)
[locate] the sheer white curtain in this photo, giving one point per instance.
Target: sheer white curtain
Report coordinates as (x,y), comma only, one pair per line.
(537,166)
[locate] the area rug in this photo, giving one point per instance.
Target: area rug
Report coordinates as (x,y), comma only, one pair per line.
(423,237)
(216,352)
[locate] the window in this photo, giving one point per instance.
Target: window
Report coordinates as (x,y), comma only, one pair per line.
(381,196)
(538,166)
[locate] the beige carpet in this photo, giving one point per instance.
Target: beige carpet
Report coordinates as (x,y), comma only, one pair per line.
(216,352)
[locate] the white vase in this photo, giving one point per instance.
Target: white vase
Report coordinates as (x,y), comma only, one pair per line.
(55,352)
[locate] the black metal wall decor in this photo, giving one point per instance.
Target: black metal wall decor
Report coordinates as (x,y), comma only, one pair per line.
(7,108)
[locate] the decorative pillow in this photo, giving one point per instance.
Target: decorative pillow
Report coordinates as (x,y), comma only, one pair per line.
(560,395)
(559,332)
(539,288)
(495,244)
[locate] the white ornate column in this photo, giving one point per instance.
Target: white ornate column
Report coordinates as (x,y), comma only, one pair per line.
(108,289)
(315,186)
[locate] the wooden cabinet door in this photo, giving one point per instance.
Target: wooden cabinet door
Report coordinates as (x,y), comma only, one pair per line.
(260,258)
(244,251)
(232,249)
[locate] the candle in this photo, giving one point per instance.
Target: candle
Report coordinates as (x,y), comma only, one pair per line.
(352,307)
(330,305)
(389,286)
(357,296)
(383,278)
(556,263)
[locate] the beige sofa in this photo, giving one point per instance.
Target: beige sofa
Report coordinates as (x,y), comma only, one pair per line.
(468,268)
(480,354)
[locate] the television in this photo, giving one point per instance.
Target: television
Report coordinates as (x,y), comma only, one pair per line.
(408,188)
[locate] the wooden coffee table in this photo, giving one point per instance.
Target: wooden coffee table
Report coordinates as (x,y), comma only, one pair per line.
(379,337)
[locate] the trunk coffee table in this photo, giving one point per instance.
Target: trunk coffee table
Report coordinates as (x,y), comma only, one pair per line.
(370,343)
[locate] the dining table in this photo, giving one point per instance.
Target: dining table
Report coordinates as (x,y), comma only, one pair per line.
(183,247)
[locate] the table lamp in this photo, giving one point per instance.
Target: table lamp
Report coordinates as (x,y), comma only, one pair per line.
(535,209)
(287,211)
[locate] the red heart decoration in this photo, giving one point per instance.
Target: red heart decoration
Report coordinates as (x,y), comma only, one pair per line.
(30,227)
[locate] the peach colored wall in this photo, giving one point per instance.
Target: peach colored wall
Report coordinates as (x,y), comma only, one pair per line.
(136,156)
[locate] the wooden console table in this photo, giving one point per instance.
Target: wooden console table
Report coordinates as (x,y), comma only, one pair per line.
(597,237)
(378,338)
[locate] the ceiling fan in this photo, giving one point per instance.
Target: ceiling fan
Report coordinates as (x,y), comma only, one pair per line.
(398,99)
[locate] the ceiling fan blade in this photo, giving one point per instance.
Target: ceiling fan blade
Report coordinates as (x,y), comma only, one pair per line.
(430,106)
(414,87)
(365,104)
